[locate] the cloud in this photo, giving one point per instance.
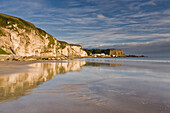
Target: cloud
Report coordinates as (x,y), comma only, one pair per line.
(100,16)
(138,5)
(153,48)
(96,23)
(74,3)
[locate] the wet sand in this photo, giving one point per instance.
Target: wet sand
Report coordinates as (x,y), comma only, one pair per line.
(81,87)
(10,67)
(13,67)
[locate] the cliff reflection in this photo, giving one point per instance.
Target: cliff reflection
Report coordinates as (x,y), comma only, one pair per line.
(101,64)
(15,85)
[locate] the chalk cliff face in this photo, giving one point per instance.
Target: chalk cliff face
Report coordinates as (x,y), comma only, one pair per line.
(21,38)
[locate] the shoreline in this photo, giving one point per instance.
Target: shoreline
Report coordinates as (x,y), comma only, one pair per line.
(9,58)
(12,64)
(4,58)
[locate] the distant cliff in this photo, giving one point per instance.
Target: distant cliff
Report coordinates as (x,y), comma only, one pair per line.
(116,52)
(110,52)
(21,38)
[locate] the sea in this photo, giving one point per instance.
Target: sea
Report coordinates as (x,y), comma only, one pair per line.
(89,85)
(130,59)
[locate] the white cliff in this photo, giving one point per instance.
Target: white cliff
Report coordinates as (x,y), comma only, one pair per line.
(21,38)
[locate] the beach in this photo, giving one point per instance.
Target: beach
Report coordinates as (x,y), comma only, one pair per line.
(13,67)
(89,85)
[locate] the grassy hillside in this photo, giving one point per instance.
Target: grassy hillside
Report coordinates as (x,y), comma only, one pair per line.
(8,22)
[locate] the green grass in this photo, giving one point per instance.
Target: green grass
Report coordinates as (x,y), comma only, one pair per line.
(2,33)
(42,32)
(4,19)
(51,41)
(75,45)
(3,52)
(62,44)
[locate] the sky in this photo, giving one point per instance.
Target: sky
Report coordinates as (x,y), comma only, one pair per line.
(136,26)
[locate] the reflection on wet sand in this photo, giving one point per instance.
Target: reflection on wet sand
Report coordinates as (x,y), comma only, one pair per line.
(15,85)
(74,91)
(97,88)
(102,64)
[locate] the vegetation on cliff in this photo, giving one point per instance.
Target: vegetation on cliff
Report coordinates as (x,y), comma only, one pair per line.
(51,41)
(62,44)
(96,51)
(3,52)
(9,22)
(2,33)
(117,52)
(6,20)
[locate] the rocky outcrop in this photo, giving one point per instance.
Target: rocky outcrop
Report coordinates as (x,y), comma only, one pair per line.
(21,38)
(116,52)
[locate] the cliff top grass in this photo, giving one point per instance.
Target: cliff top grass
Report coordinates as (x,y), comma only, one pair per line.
(75,45)
(6,19)
(116,49)
(63,44)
